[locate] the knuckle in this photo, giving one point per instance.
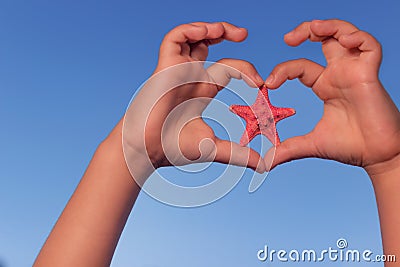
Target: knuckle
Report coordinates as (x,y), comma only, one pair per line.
(197,23)
(314,21)
(367,36)
(306,23)
(224,60)
(184,27)
(363,34)
(378,44)
(337,21)
(225,24)
(248,65)
(279,68)
(175,30)
(302,61)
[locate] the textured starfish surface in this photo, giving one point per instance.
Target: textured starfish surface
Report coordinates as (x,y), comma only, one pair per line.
(261,118)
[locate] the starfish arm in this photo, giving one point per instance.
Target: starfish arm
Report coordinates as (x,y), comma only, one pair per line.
(282,113)
(251,131)
(242,111)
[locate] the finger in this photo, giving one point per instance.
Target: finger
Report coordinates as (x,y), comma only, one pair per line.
(217,32)
(232,153)
(319,30)
(215,41)
(224,31)
(234,33)
(305,70)
(364,42)
(291,149)
(224,70)
(334,28)
(199,50)
(174,42)
(171,45)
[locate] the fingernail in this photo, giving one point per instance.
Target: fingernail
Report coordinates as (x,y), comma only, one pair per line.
(270,79)
(289,34)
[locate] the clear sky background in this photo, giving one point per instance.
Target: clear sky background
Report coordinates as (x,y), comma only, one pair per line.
(67,72)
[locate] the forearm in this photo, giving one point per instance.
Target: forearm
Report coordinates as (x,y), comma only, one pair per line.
(88,230)
(386,182)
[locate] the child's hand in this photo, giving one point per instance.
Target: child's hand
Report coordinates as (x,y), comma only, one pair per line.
(164,119)
(360,124)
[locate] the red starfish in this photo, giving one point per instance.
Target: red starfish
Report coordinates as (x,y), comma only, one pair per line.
(261,118)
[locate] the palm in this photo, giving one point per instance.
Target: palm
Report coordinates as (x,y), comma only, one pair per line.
(176,128)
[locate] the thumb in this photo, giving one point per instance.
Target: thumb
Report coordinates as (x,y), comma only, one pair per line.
(232,153)
(291,149)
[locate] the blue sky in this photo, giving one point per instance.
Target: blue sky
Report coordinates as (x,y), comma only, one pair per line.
(67,72)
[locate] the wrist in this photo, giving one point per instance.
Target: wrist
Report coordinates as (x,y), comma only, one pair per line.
(385,178)
(115,152)
(386,170)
